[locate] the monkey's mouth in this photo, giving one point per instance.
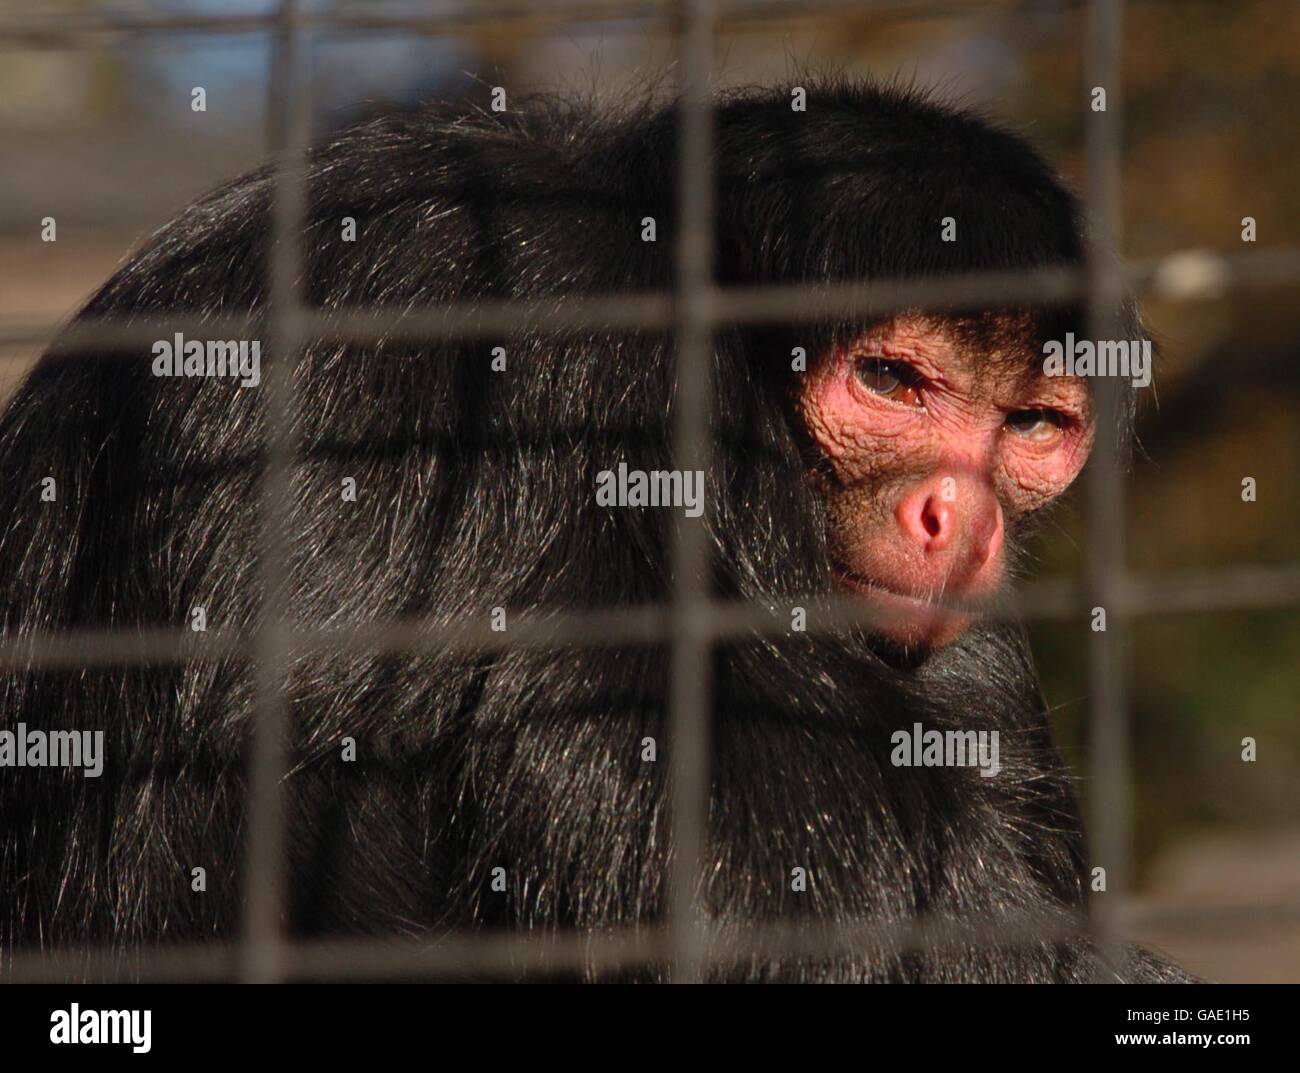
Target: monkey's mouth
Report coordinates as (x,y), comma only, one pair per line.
(907,618)
(886,595)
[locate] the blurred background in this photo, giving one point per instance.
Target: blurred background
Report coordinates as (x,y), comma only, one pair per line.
(99,134)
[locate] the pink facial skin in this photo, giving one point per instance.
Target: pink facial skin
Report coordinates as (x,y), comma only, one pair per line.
(932,448)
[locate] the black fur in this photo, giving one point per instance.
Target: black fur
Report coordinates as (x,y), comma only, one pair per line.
(476,491)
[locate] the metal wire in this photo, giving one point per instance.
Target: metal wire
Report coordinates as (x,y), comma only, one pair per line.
(74,26)
(265,873)
(1184,274)
(1235,589)
(690,623)
(1105,567)
(689,709)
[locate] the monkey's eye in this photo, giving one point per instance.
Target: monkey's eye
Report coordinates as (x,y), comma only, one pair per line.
(1039,425)
(893,379)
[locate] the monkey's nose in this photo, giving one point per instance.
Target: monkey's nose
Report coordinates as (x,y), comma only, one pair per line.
(944,514)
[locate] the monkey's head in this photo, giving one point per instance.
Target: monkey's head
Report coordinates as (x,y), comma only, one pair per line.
(935,438)
(931,440)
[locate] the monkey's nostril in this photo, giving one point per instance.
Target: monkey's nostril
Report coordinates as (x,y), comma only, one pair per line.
(992,542)
(926,521)
(937,522)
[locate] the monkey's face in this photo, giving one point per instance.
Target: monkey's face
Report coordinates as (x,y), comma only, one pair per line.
(934,441)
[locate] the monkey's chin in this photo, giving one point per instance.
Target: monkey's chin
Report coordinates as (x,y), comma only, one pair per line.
(909,624)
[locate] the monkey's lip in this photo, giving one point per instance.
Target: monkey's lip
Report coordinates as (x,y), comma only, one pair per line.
(908,618)
(866,587)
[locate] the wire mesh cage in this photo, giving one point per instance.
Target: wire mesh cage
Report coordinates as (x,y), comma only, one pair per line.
(692,621)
